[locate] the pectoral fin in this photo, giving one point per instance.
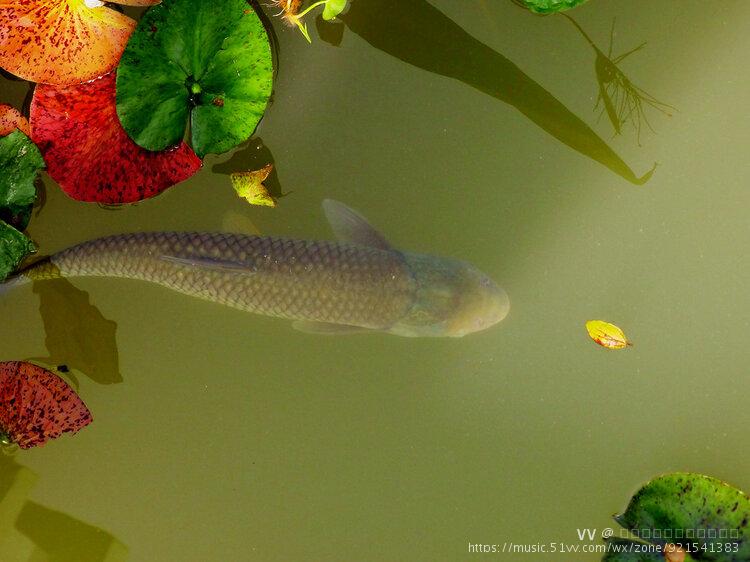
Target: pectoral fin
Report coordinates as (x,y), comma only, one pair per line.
(311,327)
(349,226)
(214,264)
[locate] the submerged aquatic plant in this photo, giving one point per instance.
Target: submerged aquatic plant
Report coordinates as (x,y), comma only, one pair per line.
(90,155)
(290,12)
(621,100)
(683,514)
(36,405)
(63,42)
(208,64)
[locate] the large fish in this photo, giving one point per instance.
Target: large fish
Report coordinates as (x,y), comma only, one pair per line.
(358,283)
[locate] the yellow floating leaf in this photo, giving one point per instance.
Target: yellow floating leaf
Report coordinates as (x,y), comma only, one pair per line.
(249,186)
(606,334)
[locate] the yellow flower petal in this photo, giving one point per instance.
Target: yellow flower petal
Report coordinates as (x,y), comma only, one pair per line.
(249,186)
(607,335)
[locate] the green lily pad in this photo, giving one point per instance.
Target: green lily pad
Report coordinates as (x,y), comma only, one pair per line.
(208,63)
(14,247)
(691,509)
(20,162)
(549,6)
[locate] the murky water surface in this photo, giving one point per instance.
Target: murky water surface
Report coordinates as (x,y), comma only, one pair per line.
(459,127)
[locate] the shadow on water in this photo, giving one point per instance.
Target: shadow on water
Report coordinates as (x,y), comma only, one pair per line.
(419,34)
(619,98)
(77,334)
(252,156)
(31,532)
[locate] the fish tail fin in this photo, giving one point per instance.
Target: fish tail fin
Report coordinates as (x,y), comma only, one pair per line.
(38,271)
(12,282)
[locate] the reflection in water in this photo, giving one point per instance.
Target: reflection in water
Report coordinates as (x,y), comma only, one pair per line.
(30,532)
(236,222)
(619,98)
(253,156)
(77,335)
(419,34)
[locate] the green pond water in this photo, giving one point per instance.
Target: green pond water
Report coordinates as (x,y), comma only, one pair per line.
(463,128)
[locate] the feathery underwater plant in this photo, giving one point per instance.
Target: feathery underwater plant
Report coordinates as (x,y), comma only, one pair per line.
(621,100)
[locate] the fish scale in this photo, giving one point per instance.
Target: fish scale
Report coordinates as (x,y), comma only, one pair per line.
(322,281)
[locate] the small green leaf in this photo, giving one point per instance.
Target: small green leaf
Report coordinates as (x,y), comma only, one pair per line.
(549,6)
(14,247)
(333,8)
(207,62)
(685,508)
(20,162)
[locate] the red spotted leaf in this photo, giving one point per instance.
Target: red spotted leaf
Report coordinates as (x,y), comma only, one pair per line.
(63,41)
(36,405)
(11,119)
(89,153)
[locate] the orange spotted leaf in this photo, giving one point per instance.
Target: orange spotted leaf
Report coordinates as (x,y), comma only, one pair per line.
(63,41)
(11,119)
(607,335)
(36,405)
(88,152)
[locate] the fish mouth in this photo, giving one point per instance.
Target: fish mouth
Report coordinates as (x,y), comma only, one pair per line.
(482,310)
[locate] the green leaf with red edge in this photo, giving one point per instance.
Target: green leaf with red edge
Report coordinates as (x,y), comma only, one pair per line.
(62,42)
(89,154)
(205,62)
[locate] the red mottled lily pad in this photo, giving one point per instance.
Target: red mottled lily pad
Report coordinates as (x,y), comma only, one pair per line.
(91,156)
(63,42)
(36,405)
(11,119)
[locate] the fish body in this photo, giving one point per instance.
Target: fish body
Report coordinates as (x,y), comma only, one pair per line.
(356,283)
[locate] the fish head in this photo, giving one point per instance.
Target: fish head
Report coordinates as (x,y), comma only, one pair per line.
(480,303)
(452,298)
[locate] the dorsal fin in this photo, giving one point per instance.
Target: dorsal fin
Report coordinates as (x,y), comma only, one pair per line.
(349,226)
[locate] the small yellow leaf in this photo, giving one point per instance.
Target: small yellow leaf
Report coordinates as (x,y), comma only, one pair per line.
(606,334)
(249,186)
